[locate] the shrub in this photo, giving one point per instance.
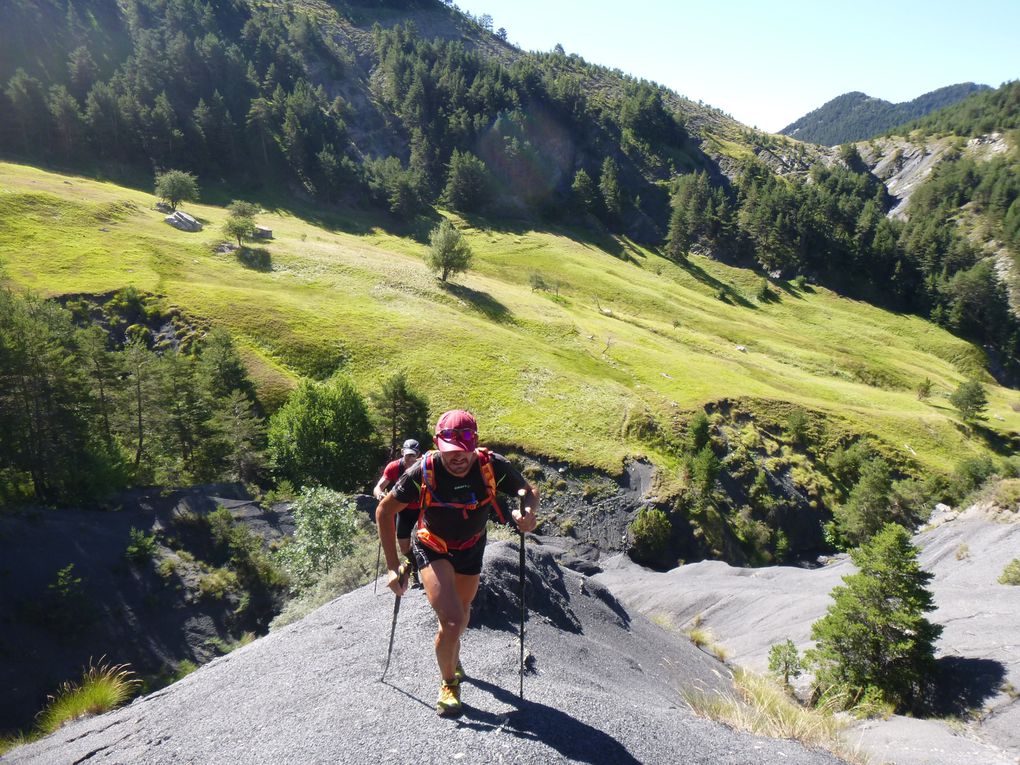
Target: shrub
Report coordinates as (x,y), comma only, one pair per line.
(102,688)
(325,527)
(649,532)
(167,567)
(350,572)
(217,583)
(797,424)
(141,548)
(698,432)
(1011,574)
(968,475)
(924,389)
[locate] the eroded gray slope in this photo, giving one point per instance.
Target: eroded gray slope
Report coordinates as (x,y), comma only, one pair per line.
(603,688)
(748,610)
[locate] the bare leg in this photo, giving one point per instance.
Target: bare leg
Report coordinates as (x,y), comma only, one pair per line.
(450,595)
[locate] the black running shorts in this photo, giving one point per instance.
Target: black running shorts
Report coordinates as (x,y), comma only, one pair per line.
(467,562)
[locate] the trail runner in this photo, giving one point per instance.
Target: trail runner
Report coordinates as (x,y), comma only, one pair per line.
(456,487)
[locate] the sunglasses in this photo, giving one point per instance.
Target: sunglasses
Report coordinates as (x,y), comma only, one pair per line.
(457,434)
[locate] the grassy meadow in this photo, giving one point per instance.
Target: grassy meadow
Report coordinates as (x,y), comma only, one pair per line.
(622,338)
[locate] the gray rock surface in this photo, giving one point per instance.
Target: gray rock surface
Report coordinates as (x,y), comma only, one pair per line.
(183,221)
(749,610)
(602,687)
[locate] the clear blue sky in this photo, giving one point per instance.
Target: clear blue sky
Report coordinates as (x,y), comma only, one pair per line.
(768,63)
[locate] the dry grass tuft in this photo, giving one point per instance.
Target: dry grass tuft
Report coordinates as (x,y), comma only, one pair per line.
(762,707)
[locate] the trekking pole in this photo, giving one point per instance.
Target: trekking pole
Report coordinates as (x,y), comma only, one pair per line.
(524,607)
(401,574)
(378,555)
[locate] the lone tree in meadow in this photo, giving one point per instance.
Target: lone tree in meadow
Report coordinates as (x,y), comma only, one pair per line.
(970,401)
(448,253)
(176,186)
(238,227)
(875,637)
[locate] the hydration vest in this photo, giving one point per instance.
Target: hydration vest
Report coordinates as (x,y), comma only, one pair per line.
(429,499)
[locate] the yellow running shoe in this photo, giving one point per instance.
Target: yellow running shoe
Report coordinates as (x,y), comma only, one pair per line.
(459,673)
(448,703)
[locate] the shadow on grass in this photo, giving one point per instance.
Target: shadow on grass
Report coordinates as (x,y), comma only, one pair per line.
(964,684)
(724,291)
(255,258)
(482,302)
(574,740)
(795,290)
(592,235)
(1003,444)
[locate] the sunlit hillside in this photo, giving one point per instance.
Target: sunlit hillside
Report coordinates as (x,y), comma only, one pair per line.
(602,364)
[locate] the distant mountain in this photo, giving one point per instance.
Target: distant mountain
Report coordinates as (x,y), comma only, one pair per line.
(857,116)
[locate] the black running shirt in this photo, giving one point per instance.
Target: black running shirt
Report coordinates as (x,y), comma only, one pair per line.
(450,523)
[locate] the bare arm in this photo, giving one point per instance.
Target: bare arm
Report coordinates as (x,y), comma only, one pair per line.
(385,521)
(380,488)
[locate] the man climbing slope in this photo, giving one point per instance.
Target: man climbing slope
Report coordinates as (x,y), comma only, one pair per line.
(457,487)
(410,452)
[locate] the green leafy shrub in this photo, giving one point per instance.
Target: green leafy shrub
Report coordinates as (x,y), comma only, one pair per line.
(167,567)
(1011,574)
(141,548)
(649,532)
(217,584)
(323,435)
(325,528)
(349,572)
(797,424)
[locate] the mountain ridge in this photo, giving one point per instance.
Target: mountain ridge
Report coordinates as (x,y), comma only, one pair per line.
(856,116)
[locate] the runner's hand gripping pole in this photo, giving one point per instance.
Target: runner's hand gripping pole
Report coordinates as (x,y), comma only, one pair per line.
(402,574)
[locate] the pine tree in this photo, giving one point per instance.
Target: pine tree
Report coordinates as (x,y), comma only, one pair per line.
(467,184)
(875,635)
(609,188)
(582,192)
(401,412)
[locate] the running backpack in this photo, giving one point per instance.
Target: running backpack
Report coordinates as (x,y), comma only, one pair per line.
(429,499)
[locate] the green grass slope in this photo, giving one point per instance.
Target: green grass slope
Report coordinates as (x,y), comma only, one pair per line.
(629,345)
